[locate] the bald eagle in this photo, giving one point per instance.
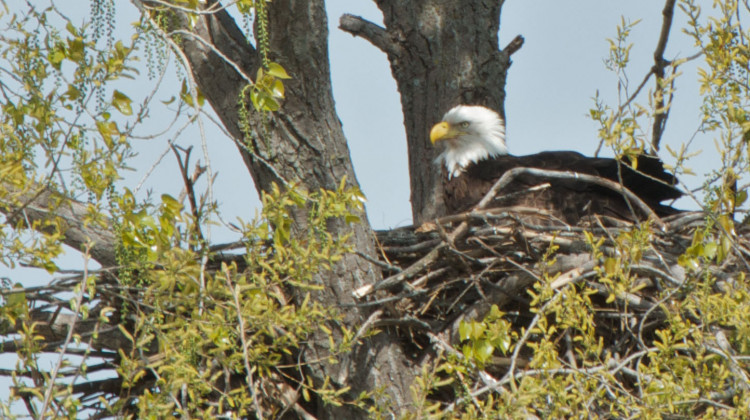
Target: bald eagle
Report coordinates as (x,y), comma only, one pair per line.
(475,156)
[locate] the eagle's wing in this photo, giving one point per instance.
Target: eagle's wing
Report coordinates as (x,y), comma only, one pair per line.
(567,199)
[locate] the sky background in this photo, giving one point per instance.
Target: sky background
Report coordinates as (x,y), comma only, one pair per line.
(549,89)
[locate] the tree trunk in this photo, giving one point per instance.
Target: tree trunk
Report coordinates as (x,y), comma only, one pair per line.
(434,48)
(303,144)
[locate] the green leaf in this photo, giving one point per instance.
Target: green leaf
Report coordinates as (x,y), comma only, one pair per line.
(710,249)
(72,93)
(187,96)
(56,57)
(16,304)
(75,50)
(610,266)
(71,29)
(483,350)
(122,103)
(463,331)
(275,70)
(740,198)
(171,205)
(107,130)
(278,89)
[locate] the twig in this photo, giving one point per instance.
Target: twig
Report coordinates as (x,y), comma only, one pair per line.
(501,183)
(245,354)
(189,187)
(425,261)
(68,338)
(381,264)
(510,175)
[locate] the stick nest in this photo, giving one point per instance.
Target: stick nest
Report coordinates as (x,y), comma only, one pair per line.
(638,279)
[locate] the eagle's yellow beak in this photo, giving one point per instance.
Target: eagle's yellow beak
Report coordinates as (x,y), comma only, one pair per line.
(441,131)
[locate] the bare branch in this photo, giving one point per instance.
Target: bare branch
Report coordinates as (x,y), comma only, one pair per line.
(189,182)
(68,339)
(375,34)
(660,119)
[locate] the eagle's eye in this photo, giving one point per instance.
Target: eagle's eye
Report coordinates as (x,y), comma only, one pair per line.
(465,124)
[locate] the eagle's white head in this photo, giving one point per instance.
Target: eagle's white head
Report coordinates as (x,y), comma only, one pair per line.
(470,133)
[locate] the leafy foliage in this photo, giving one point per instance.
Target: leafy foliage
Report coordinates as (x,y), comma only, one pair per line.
(195,331)
(227,331)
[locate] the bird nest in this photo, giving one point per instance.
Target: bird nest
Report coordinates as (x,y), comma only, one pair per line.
(636,278)
(491,256)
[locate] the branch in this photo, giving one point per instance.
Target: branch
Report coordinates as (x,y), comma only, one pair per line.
(660,119)
(375,34)
(112,386)
(514,45)
(189,187)
(68,338)
(508,177)
(40,203)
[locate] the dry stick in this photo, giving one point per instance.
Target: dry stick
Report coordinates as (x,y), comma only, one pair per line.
(189,184)
(501,183)
(612,368)
(592,179)
(425,261)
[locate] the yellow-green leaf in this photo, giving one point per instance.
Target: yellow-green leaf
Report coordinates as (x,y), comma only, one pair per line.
(275,70)
(122,103)
(278,88)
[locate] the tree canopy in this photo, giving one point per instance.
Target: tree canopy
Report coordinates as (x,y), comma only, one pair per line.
(307,313)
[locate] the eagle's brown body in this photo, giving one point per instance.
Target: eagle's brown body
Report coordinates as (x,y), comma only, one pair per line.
(566,200)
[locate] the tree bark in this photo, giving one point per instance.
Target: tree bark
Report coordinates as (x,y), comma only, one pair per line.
(442,53)
(302,144)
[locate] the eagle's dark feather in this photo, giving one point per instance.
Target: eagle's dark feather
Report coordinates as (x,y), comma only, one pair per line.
(567,200)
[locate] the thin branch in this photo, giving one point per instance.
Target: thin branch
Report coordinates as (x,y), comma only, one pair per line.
(660,119)
(510,175)
(190,187)
(68,338)
(245,345)
(375,34)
